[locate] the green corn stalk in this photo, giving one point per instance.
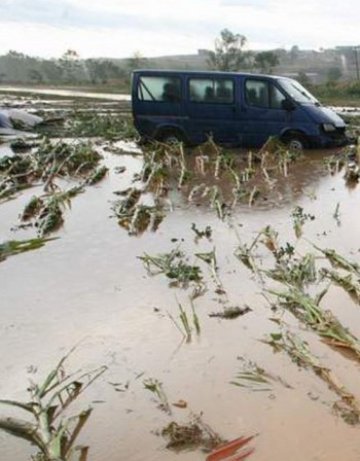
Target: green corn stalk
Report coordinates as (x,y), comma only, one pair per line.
(51,432)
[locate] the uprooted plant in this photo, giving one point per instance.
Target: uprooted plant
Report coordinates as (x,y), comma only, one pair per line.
(49,161)
(156,387)
(207,232)
(187,323)
(297,274)
(297,271)
(195,433)
(174,266)
(109,126)
(308,310)
(53,433)
(346,282)
(137,217)
(14,247)
(47,210)
(210,259)
(256,378)
(231,312)
(338,261)
(299,219)
(299,352)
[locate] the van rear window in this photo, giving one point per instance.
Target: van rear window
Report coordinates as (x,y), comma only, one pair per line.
(211,90)
(164,89)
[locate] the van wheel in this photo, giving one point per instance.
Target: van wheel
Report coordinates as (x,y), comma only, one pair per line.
(296,142)
(171,137)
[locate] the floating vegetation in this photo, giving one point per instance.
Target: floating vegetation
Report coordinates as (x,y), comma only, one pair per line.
(335,163)
(256,378)
(349,161)
(108,126)
(131,197)
(300,354)
(66,159)
(46,163)
(207,232)
(98,175)
(156,387)
(307,309)
(275,153)
(210,259)
(214,176)
(187,323)
(141,218)
(351,286)
(299,219)
(352,174)
(174,266)
(336,214)
(231,312)
(32,208)
(47,210)
(245,253)
(137,217)
(340,262)
(53,433)
(14,247)
(269,239)
(193,435)
(14,174)
(297,272)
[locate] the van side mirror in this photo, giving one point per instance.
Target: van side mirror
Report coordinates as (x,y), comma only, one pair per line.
(287,104)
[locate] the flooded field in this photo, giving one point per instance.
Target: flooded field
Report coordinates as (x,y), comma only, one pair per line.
(65,93)
(218,288)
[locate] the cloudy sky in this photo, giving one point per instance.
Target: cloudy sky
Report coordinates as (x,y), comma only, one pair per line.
(118,28)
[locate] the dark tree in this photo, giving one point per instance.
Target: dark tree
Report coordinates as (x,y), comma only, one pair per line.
(265,61)
(229,54)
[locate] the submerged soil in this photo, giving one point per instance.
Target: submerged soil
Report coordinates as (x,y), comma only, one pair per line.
(89,287)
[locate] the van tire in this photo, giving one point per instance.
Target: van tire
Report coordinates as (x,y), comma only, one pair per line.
(170,136)
(296,141)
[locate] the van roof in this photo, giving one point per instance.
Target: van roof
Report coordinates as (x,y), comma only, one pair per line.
(204,73)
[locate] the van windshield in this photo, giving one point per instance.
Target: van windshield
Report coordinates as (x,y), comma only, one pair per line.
(297,91)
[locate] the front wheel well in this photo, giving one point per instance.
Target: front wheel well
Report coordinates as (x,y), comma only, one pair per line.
(298,139)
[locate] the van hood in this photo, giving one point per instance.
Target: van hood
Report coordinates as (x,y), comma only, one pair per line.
(322,114)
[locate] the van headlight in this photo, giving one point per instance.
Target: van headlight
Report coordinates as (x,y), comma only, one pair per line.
(328,127)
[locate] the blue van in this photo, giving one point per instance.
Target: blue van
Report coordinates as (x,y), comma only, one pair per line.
(235,108)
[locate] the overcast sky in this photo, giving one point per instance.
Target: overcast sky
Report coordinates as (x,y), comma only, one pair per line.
(118,28)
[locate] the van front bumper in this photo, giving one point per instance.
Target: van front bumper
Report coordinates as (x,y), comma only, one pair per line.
(336,139)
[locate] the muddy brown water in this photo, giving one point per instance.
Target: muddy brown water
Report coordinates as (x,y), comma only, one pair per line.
(89,286)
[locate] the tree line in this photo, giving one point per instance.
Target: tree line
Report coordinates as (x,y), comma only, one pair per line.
(229,54)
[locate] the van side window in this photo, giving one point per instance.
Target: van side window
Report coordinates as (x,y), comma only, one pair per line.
(257,93)
(276,97)
(260,93)
(211,90)
(165,89)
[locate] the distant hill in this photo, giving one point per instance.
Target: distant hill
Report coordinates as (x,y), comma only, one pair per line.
(336,64)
